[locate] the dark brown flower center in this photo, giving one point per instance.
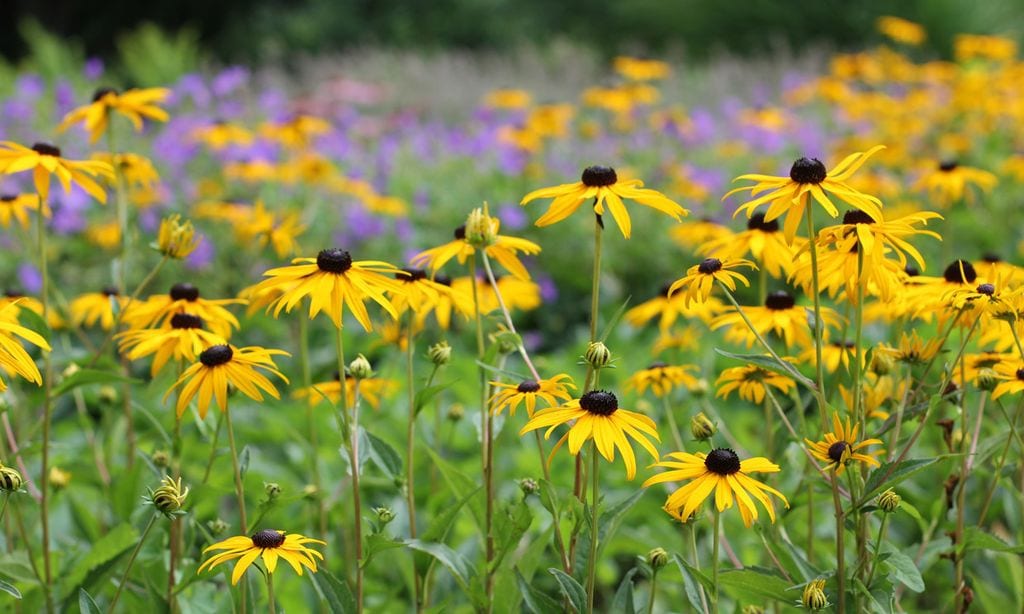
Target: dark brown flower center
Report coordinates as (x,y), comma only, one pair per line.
(109,291)
(856,216)
(216,355)
(460,232)
(947,166)
(184,292)
(657,365)
(779,300)
(444,280)
(847,345)
(709,266)
(911,270)
(334,260)
(953,274)
(722,461)
(101,92)
(600,402)
(597,176)
(46,149)
(807,170)
(836,450)
(268,538)
(991,258)
(1020,374)
(7,198)
(411,275)
(187,320)
(528,385)
(756,222)
(986,289)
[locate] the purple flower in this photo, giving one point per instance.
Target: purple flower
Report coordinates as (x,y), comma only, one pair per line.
(30,86)
(93,68)
(512,216)
(29,278)
(203,255)
(229,80)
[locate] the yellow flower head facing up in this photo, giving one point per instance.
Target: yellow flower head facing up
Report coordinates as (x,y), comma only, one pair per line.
(721,471)
(176,239)
(840,447)
(222,365)
(332,281)
(44,160)
(135,105)
(808,178)
(901,30)
(662,378)
(528,392)
(948,183)
(700,278)
(96,307)
(504,249)
(13,357)
(602,184)
(751,381)
(17,206)
(268,544)
(183,340)
(596,415)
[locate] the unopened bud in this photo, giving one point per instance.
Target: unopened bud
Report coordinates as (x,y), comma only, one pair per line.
(310,492)
(701,427)
(657,558)
(440,353)
(529,486)
(160,458)
(217,526)
(814,595)
(59,479)
(882,363)
(108,394)
(889,501)
(481,228)
(169,498)
(10,479)
(598,355)
(456,412)
(987,379)
(176,238)
(384,514)
(272,490)
(360,368)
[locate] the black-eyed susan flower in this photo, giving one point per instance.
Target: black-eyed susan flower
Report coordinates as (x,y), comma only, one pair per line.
(662,378)
(419,293)
(268,544)
(701,278)
(878,238)
(44,160)
(333,281)
(780,315)
(596,415)
(13,357)
(977,365)
(641,69)
(687,338)
(901,30)
(371,390)
(183,297)
(808,178)
(990,299)
(1011,376)
(763,241)
(17,206)
(841,272)
(833,355)
(183,340)
(550,390)
(518,294)
(457,301)
(721,471)
(135,104)
(96,307)
(877,392)
(950,180)
(751,381)
(137,172)
(669,309)
(222,365)
(840,447)
(602,184)
(296,132)
(912,349)
(691,234)
(502,248)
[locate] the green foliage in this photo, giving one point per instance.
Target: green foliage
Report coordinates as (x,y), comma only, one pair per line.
(152,57)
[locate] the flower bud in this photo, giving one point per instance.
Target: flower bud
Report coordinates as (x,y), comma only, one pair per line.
(598,355)
(440,353)
(217,526)
(384,514)
(169,498)
(987,379)
(59,478)
(70,370)
(657,558)
(456,412)
(700,388)
(10,479)
(889,501)
(882,363)
(176,239)
(310,492)
(108,394)
(814,595)
(160,458)
(529,486)
(752,609)
(360,368)
(701,427)
(481,228)
(272,490)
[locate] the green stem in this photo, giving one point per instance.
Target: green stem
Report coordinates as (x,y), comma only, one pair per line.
(595,285)
(592,566)
(486,455)
(696,563)
(818,324)
(676,437)
(877,552)
(410,462)
(1000,463)
(239,487)
(714,556)
(44,480)
(213,446)
(124,308)
(131,561)
(270,593)
(840,544)
(654,590)
(311,426)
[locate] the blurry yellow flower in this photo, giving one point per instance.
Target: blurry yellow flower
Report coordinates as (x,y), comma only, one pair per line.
(183,340)
(297,132)
(780,315)
(92,307)
(975,46)
(106,235)
(508,99)
(220,135)
(504,249)
(176,239)
(59,479)
(662,378)
(763,241)
(45,160)
(700,278)
(183,298)
(911,349)
(900,30)
(13,357)
(134,104)
(668,309)
(751,381)
(371,390)
(137,171)
(637,69)
(17,206)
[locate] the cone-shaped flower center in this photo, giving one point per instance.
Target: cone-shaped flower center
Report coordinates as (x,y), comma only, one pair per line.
(779,300)
(334,260)
(756,222)
(187,320)
(986,289)
(184,292)
(109,291)
(7,198)
(597,176)
(1020,374)
(657,365)
(807,170)
(836,450)
(528,385)
(989,257)
(722,461)
(952,273)
(216,355)
(856,216)
(709,266)
(101,92)
(268,538)
(600,402)
(411,275)
(911,270)
(947,166)
(460,232)
(46,149)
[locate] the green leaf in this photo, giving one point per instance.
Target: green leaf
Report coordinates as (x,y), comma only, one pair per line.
(84,517)
(890,474)
(692,581)
(902,569)
(872,598)
(976,539)
(440,526)
(86,603)
(753,584)
(244,457)
(334,592)
(461,485)
(10,589)
(571,589)
(548,497)
(534,600)
(101,552)
(459,567)
(510,524)
(767,362)
(614,321)
(381,453)
(427,394)
(83,377)
(34,322)
(623,601)
(17,567)
(377,543)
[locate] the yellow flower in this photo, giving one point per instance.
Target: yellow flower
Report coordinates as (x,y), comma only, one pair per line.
(183,340)
(17,206)
(13,357)
(637,69)
(763,241)
(158,309)
(92,307)
(371,389)
(602,184)
(691,234)
(596,415)
(279,230)
(45,160)
(807,179)
(268,544)
(780,315)
(297,132)
(332,280)
(133,104)
(700,278)
(948,183)
(504,249)
(508,99)
(912,349)
(751,381)
(138,171)
(517,294)
(1012,374)
(669,309)
(509,396)
(176,239)
(971,46)
(220,135)
(841,447)
(721,472)
(223,365)
(876,238)
(901,30)
(662,378)
(419,293)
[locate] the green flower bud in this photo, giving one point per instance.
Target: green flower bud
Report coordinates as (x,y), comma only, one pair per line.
(456,412)
(814,595)
(529,486)
(701,427)
(657,558)
(160,458)
(440,353)
(169,498)
(598,355)
(752,609)
(882,363)
(481,228)
(889,501)
(384,514)
(987,379)
(10,479)
(310,492)
(272,490)
(360,368)
(217,526)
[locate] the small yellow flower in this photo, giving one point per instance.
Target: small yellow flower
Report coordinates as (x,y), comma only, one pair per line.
(134,104)
(700,278)
(221,365)
(840,447)
(269,544)
(44,160)
(176,239)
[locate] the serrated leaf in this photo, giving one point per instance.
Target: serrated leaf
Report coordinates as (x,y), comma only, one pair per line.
(438,530)
(86,603)
(976,539)
(510,524)
(692,584)
(377,543)
(571,589)
(102,551)
(623,600)
(427,394)
(84,377)
(381,453)
(902,569)
(334,592)
(534,600)
(454,562)
(767,362)
(890,474)
(753,584)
